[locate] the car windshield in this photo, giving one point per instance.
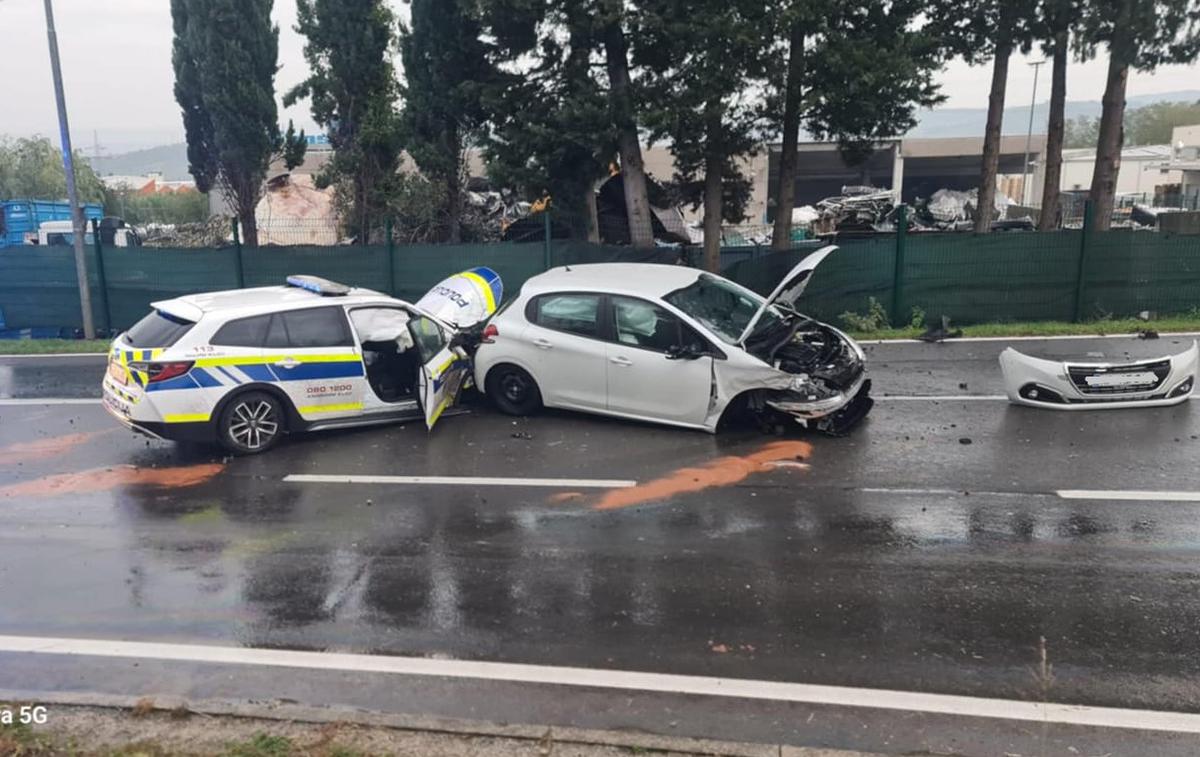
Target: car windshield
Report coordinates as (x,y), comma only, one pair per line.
(723,307)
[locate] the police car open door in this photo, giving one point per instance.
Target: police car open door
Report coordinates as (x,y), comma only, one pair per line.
(461,301)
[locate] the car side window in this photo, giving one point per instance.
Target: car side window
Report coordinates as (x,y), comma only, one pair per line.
(311,327)
(427,335)
(639,323)
(572,313)
(243,332)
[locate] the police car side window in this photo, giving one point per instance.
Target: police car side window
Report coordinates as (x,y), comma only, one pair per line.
(314,327)
(243,332)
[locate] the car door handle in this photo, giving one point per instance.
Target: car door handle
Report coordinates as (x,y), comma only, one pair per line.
(287,362)
(622,361)
(544,344)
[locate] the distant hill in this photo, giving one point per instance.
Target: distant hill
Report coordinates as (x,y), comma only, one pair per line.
(169,160)
(969,122)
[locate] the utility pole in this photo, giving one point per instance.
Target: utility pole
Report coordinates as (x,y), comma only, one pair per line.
(64,135)
(1037,66)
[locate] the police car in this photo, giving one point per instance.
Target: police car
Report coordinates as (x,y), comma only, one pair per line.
(246,366)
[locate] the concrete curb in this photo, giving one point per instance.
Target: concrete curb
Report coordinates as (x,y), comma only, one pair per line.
(294,712)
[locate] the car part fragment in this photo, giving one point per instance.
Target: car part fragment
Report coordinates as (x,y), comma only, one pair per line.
(1083,385)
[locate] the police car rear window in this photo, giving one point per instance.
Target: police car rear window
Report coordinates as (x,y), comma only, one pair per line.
(158,329)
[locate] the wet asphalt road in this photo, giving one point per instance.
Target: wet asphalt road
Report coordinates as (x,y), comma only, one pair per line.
(900,557)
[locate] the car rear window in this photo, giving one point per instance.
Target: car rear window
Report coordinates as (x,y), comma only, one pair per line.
(158,329)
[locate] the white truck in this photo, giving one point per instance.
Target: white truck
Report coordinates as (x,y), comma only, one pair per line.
(114,232)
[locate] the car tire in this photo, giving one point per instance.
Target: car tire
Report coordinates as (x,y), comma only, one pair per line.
(513,390)
(251,423)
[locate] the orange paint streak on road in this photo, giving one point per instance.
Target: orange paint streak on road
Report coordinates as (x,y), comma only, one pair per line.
(104,479)
(724,471)
(24,452)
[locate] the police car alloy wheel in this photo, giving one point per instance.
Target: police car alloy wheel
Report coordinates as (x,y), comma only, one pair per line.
(251,423)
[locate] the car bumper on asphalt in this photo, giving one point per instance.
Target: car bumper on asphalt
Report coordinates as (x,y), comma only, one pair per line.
(1081,385)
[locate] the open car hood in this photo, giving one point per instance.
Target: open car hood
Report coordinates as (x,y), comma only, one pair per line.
(465,298)
(790,288)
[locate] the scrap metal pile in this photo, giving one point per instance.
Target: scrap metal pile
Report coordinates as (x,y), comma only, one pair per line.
(869,209)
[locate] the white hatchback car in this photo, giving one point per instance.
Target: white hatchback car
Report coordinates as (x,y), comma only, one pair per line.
(243,367)
(670,344)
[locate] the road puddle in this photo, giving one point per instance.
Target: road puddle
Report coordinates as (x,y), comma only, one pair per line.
(724,471)
(105,479)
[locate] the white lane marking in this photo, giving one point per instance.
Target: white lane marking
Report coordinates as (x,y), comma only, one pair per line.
(940,398)
(625,680)
(1054,338)
(48,401)
(1129,495)
(560,483)
(956,492)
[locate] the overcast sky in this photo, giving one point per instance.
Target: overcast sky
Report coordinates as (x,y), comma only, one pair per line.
(116,57)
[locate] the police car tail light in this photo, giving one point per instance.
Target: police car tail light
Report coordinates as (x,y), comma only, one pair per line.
(162,371)
(490,332)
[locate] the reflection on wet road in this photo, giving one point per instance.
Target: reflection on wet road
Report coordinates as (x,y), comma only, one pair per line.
(897,557)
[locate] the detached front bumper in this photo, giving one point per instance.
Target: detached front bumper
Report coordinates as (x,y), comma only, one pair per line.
(1070,385)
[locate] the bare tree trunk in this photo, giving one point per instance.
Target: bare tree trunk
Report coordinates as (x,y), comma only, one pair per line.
(593,214)
(453,185)
(1054,138)
(1108,148)
(714,193)
(633,171)
(991,140)
(785,194)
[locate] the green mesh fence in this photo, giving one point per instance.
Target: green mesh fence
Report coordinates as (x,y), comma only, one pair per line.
(971,278)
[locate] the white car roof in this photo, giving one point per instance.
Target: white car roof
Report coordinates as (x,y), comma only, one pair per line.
(242,302)
(634,279)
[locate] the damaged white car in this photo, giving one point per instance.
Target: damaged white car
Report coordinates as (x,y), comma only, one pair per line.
(670,344)
(1092,385)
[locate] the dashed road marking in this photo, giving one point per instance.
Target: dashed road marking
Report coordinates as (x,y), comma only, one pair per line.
(624,680)
(1129,495)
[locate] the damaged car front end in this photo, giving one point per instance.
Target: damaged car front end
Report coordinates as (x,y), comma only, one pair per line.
(1090,385)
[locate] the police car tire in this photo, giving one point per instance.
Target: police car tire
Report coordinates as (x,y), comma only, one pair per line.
(502,383)
(254,402)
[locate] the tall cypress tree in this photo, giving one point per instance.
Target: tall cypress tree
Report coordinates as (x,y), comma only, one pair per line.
(352,89)
(225,56)
(1138,34)
(855,73)
(447,68)
(706,61)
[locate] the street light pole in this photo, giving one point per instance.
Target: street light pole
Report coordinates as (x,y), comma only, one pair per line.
(1037,65)
(64,134)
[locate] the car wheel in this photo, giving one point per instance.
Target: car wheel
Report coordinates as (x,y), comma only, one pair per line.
(251,423)
(513,390)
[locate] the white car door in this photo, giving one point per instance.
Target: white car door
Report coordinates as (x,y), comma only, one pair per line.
(658,367)
(312,354)
(565,347)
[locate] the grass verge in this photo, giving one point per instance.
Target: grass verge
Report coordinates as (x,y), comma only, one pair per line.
(1128,326)
(52,346)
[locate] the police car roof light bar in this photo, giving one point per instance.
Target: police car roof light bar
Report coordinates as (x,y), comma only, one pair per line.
(318,285)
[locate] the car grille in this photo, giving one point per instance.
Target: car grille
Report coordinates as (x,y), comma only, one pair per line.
(1119,379)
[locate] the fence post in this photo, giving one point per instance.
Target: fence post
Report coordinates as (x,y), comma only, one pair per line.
(101,279)
(391,253)
(237,246)
(1085,240)
(898,273)
(547,259)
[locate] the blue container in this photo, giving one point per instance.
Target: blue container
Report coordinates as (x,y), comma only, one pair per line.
(20,219)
